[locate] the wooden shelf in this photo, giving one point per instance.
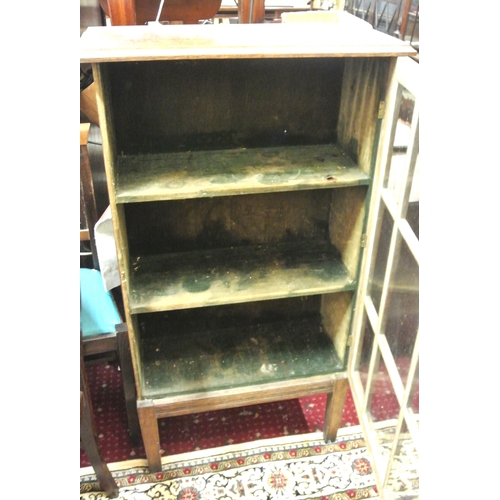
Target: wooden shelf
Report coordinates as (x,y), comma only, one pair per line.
(233,275)
(173,176)
(201,361)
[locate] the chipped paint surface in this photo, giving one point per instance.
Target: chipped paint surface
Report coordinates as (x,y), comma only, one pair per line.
(195,279)
(199,174)
(184,360)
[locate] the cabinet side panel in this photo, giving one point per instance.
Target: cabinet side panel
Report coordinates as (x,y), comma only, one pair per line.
(336,320)
(167,106)
(364,85)
(347,219)
(107,126)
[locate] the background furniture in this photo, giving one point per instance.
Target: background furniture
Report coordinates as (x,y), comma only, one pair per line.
(139,12)
(240,161)
(251,11)
(102,328)
(88,435)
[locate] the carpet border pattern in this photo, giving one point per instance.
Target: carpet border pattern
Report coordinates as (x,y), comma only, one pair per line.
(302,467)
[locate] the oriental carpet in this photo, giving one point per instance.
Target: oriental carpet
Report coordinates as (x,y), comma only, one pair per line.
(298,467)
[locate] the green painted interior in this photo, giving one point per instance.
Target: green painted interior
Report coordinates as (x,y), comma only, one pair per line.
(229,174)
(201,356)
(171,176)
(228,221)
(173,106)
(232,275)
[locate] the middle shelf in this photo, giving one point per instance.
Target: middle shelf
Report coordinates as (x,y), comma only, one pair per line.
(231,249)
(232,275)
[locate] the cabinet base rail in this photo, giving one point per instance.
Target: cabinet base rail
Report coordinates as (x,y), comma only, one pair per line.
(150,410)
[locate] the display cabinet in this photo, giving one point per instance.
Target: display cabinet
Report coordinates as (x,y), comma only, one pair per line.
(239,160)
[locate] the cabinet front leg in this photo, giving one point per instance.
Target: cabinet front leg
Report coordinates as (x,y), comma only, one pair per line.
(150,434)
(334,409)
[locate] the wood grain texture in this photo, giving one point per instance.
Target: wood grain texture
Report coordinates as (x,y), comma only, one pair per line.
(363,89)
(245,396)
(334,408)
(88,104)
(84,133)
(347,222)
(121,12)
(336,312)
(150,434)
(143,43)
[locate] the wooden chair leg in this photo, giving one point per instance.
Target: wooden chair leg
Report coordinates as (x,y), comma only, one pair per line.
(334,408)
(89,439)
(127,371)
(150,434)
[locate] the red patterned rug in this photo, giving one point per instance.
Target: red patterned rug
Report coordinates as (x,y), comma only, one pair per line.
(299,467)
(201,431)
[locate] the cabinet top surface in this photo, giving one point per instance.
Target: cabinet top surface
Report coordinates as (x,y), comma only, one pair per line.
(163,42)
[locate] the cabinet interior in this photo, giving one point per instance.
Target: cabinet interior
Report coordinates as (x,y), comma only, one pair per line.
(214,348)
(172,106)
(241,188)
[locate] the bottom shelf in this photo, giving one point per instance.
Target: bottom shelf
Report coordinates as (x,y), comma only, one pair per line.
(194,360)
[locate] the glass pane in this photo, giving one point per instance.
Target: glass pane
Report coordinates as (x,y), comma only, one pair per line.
(366,350)
(395,178)
(413,216)
(402,310)
(415,393)
(413,210)
(384,410)
(384,404)
(403,479)
(384,231)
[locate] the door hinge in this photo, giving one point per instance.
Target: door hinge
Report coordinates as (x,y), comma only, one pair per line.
(349,341)
(381,110)
(363,240)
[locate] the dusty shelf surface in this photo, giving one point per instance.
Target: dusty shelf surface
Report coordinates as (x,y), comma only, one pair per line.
(171,176)
(182,362)
(233,275)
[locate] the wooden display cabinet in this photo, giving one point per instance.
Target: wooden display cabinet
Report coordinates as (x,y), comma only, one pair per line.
(239,160)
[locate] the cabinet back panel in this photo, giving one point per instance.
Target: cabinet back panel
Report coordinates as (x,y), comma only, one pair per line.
(164,106)
(231,315)
(210,223)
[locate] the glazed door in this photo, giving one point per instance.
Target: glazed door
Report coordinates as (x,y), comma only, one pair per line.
(384,357)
